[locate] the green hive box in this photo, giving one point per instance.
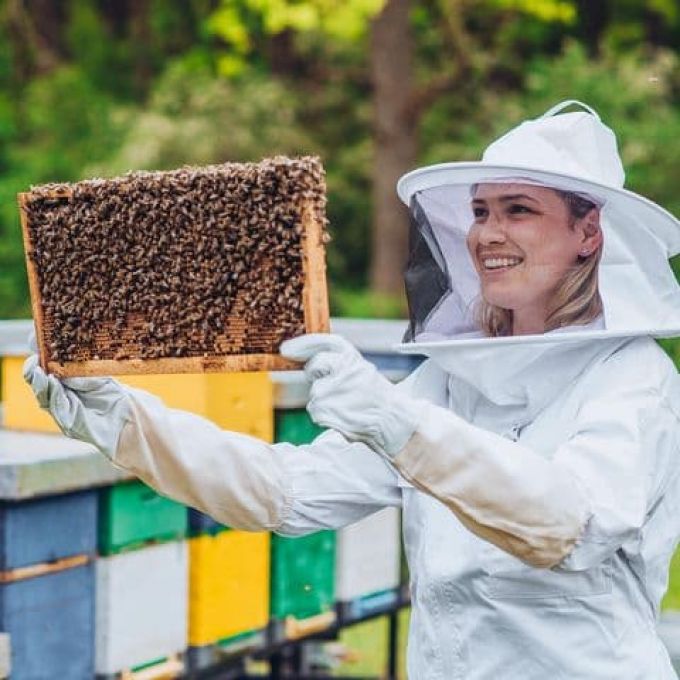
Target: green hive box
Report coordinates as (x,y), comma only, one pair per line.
(303,578)
(302,575)
(131,514)
(295,426)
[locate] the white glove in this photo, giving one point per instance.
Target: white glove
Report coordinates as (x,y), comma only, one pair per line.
(349,395)
(92,410)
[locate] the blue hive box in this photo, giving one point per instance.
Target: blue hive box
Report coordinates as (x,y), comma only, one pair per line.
(50,620)
(47,529)
(200,523)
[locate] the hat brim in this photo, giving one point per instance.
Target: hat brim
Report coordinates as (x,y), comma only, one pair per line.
(431,347)
(658,221)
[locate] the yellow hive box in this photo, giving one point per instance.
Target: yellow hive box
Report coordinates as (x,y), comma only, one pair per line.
(243,402)
(228,585)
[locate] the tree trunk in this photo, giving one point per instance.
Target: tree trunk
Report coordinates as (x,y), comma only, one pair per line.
(140,42)
(35,31)
(395,143)
(593,17)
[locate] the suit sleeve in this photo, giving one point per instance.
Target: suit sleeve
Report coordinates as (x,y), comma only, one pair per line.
(569,510)
(249,484)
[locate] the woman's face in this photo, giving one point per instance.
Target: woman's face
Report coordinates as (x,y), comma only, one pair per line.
(523,241)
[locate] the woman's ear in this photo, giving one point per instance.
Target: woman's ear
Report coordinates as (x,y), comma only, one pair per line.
(590,232)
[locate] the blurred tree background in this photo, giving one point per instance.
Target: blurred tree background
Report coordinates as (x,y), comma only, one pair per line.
(374,87)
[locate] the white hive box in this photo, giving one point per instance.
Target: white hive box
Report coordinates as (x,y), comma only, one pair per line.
(368,556)
(141,606)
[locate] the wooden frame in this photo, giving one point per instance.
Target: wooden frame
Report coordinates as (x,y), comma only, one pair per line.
(33,570)
(315,309)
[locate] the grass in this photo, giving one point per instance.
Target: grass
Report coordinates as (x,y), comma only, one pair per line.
(366,645)
(672,597)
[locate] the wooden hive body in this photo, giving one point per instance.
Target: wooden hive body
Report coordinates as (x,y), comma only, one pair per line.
(194,270)
(141,611)
(368,555)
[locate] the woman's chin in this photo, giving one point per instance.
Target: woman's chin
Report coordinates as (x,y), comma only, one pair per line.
(499,296)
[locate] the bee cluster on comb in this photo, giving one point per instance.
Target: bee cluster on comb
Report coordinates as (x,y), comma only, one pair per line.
(189,270)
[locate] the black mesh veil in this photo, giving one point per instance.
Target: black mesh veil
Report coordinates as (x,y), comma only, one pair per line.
(441,282)
(426,277)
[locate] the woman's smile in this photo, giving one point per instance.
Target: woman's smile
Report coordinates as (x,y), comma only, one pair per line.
(496,263)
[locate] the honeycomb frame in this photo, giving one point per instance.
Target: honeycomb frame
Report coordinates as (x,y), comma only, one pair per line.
(314,305)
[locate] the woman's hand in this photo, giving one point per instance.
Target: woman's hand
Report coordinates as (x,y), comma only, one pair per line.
(92,410)
(349,395)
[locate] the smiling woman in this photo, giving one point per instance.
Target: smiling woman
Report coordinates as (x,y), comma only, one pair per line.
(536,251)
(539,237)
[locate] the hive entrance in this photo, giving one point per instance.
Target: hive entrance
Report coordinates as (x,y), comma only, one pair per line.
(197,269)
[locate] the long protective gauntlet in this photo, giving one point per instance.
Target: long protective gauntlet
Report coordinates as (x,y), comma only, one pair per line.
(92,410)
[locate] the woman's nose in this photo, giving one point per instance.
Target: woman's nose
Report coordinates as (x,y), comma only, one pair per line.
(492,231)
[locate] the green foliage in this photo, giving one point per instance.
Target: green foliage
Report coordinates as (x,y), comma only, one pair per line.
(239,23)
(343,20)
(365,304)
(349,212)
(67,123)
(123,52)
(195,117)
(633,92)
(163,83)
(544,10)
(94,49)
(631,22)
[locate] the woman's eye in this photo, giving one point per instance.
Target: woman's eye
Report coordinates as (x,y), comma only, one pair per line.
(518,209)
(480,213)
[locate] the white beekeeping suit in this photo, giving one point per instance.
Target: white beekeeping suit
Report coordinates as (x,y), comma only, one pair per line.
(539,474)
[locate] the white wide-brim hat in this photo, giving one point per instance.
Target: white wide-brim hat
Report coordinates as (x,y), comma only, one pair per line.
(574,152)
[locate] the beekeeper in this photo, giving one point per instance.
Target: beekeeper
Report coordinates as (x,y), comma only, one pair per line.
(536,454)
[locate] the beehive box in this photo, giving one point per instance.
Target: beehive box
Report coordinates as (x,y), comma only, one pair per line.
(47,529)
(368,556)
(303,576)
(194,270)
(50,621)
(295,426)
(141,607)
(201,523)
(131,514)
(228,585)
(242,402)
(303,585)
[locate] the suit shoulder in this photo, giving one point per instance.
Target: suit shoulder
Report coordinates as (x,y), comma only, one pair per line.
(639,365)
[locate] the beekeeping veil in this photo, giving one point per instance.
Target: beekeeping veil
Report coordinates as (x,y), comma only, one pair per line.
(572,152)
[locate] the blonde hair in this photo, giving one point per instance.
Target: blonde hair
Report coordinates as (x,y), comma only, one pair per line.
(577,298)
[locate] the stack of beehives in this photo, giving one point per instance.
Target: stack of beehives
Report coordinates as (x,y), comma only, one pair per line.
(141,537)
